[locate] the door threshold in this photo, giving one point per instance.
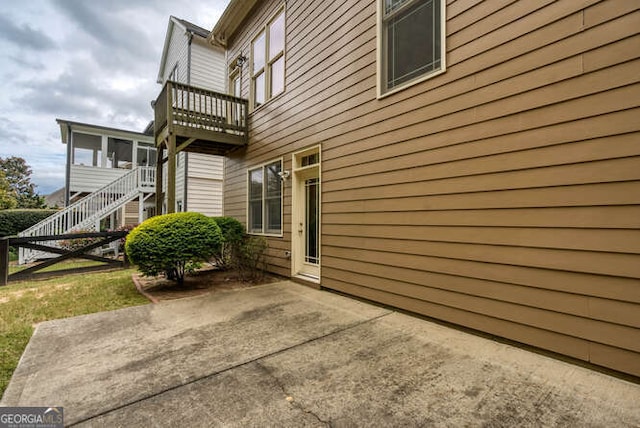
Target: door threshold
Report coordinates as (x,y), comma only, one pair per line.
(306,279)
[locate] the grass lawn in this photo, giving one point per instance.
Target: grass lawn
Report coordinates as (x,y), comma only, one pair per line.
(71,264)
(23,304)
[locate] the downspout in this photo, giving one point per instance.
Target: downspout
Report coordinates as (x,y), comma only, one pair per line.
(186,182)
(189,59)
(67,175)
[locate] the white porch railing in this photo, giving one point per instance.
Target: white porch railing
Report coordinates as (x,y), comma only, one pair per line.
(86,213)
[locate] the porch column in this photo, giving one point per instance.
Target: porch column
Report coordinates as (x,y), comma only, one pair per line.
(140,207)
(159,190)
(102,162)
(171,174)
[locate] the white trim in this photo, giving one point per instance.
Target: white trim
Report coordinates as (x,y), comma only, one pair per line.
(380,53)
(300,173)
(262,165)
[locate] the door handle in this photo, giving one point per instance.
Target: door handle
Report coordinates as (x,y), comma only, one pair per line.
(300,228)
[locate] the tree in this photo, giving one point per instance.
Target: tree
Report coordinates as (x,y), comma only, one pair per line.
(7,197)
(18,175)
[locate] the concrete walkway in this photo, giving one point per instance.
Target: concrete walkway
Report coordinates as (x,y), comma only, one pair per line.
(287,355)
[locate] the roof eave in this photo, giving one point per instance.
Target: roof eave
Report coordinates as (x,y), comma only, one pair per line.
(228,24)
(165,49)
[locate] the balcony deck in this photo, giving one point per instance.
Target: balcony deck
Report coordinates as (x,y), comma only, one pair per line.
(200,120)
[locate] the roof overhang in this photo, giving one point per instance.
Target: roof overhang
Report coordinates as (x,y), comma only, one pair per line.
(228,24)
(67,126)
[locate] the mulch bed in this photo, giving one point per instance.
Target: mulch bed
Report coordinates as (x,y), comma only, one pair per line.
(208,280)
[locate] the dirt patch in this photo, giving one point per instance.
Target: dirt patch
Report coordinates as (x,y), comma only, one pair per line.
(202,282)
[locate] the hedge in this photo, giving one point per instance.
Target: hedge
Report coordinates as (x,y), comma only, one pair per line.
(13,222)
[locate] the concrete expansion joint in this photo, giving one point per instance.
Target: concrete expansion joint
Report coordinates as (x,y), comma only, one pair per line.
(290,399)
(228,369)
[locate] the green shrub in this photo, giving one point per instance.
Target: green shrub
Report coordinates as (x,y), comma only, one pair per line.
(250,261)
(232,236)
(13,254)
(13,222)
(175,244)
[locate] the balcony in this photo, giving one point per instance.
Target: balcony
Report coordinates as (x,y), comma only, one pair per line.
(200,120)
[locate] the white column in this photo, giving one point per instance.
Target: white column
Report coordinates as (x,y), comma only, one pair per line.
(105,148)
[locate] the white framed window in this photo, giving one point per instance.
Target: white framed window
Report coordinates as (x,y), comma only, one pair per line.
(267,61)
(264,207)
(235,83)
(411,42)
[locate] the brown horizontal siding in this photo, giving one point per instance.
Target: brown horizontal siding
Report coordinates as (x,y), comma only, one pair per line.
(430,150)
(614,288)
(580,43)
(616,217)
(607,356)
(559,291)
(502,195)
(625,265)
(608,333)
(595,240)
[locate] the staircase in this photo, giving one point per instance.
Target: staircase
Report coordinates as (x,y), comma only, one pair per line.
(86,213)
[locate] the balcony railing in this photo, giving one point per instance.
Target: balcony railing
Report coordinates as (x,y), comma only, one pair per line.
(202,114)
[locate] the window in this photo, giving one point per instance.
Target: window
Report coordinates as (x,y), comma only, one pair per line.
(146,156)
(265,199)
(119,153)
(412,42)
(87,150)
(235,89)
(267,64)
(235,84)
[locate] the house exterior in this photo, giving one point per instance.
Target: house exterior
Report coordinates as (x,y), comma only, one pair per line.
(473,162)
(188,58)
(98,156)
(111,173)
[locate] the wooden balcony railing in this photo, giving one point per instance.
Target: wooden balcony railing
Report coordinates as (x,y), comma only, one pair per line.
(201,114)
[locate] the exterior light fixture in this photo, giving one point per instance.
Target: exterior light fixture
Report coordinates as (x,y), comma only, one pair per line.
(241,60)
(284,175)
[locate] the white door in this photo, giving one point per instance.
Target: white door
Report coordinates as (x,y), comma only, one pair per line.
(306,215)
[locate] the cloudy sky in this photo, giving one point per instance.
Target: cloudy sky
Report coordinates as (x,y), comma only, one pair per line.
(91,61)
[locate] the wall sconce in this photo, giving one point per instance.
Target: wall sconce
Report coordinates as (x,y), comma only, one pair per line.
(241,60)
(284,175)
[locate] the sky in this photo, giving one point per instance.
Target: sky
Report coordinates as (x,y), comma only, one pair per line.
(91,61)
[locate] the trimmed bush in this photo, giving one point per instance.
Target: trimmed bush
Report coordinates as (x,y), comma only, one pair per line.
(174,244)
(232,236)
(13,222)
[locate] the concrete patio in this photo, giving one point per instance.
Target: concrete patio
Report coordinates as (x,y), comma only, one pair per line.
(287,355)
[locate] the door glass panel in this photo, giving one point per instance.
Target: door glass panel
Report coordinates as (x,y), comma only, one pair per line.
(312,214)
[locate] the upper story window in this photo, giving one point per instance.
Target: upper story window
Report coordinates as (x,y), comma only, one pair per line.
(235,75)
(412,42)
(265,199)
(267,61)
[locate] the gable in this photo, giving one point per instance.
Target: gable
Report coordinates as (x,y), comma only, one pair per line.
(174,52)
